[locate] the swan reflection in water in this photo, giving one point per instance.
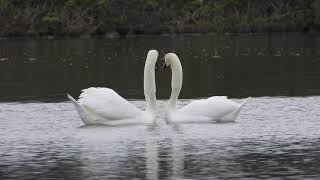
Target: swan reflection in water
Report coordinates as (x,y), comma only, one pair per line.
(175,155)
(177,151)
(152,152)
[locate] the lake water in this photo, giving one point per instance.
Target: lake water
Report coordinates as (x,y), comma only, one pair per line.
(276,134)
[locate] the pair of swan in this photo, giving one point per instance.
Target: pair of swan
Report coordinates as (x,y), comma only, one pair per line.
(105,106)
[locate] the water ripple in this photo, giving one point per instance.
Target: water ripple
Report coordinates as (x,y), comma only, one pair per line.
(274,137)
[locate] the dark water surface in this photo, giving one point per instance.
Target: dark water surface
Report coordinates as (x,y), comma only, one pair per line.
(237,66)
(275,136)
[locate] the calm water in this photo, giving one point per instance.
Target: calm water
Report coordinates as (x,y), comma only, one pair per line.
(237,66)
(276,134)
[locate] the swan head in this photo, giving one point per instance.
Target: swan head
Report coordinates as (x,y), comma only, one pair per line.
(152,57)
(169,59)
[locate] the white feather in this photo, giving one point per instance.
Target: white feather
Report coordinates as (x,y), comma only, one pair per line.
(97,105)
(107,104)
(215,108)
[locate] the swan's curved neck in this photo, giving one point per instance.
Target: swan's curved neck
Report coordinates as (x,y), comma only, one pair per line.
(149,86)
(176,83)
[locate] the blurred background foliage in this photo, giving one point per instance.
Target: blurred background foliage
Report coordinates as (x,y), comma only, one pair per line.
(96,17)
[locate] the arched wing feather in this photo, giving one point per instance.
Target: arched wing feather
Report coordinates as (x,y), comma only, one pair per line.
(108,104)
(213,107)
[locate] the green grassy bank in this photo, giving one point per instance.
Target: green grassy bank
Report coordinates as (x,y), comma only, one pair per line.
(98,17)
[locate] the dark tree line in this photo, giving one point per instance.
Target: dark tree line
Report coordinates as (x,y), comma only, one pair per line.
(96,17)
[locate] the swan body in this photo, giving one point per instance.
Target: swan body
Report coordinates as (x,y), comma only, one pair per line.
(98,105)
(215,108)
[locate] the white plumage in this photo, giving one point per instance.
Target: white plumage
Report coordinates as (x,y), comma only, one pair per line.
(215,108)
(107,104)
(97,105)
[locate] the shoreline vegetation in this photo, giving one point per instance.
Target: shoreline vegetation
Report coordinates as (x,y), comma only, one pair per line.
(85,18)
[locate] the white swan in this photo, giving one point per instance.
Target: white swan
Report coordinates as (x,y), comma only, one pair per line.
(215,108)
(105,106)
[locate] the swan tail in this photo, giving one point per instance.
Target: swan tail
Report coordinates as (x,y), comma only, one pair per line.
(243,102)
(80,110)
(233,116)
(240,107)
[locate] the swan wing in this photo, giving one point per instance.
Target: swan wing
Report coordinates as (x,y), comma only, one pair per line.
(106,103)
(215,107)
